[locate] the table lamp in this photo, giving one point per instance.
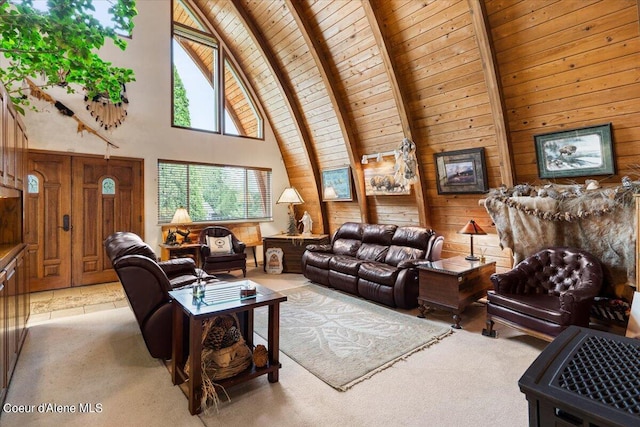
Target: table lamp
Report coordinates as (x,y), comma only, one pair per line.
(291,196)
(471,228)
(181,217)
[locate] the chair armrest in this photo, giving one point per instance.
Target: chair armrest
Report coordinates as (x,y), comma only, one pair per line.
(574,296)
(205,251)
(177,266)
(319,248)
(412,263)
(510,282)
(239,246)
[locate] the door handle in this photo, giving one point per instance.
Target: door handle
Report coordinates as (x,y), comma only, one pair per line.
(66,226)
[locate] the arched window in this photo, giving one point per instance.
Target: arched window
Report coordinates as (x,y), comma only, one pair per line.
(200,73)
(108,187)
(33,184)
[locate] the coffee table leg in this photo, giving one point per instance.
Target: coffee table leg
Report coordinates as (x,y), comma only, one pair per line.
(274,341)
(195,364)
(457,319)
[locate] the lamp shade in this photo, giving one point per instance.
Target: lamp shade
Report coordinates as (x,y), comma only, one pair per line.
(472,228)
(181,216)
(290,195)
(330,193)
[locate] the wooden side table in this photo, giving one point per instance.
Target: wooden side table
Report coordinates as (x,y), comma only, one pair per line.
(453,284)
(292,247)
(187,250)
(221,298)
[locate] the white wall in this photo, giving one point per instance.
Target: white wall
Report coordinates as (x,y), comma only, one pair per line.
(147,132)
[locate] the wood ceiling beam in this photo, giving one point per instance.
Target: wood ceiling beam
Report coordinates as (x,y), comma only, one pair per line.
(400,99)
(290,101)
(339,107)
(494,89)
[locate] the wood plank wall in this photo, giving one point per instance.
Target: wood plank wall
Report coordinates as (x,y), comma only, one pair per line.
(561,64)
(568,67)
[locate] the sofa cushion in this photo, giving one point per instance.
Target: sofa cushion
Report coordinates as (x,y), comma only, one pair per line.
(380,234)
(348,247)
(372,252)
(345,264)
(378,272)
(545,307)
(318,259)
(409,243)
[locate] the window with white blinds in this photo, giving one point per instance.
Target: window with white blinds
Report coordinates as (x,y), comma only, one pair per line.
(213,192)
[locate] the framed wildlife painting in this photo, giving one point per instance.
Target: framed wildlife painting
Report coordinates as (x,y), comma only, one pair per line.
(461,171)
(336,184)
(578,152)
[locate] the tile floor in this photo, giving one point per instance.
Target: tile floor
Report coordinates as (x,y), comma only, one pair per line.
(80,290)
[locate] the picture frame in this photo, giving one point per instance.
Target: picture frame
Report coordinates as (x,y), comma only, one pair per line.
(578,152)
(461,171)
(336,184)
(380,180)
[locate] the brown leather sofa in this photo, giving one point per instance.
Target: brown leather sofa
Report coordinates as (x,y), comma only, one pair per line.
(375,261)
(147,283)
(546,292)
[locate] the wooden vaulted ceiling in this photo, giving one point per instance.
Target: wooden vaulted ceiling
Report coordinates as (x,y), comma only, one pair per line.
(341,79)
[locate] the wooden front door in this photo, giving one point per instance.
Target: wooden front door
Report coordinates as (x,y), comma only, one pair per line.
(78,202)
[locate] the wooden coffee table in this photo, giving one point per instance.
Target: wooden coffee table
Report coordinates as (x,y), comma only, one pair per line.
(221,298)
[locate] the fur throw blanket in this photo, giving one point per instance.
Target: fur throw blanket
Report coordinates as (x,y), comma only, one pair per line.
(599,220)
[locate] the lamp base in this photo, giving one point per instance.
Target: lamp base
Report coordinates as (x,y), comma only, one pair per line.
(472,258)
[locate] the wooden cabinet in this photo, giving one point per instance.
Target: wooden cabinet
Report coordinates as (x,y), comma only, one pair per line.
(453,284)
(292,247)
(14,282)
(14,312)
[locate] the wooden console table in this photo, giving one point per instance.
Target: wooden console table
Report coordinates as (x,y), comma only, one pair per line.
(453,284)
(292,247)
(187,250)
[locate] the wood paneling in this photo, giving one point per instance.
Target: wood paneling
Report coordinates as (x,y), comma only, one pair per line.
(556,65)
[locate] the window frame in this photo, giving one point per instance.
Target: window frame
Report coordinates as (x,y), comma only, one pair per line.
(267,195)
(223,56)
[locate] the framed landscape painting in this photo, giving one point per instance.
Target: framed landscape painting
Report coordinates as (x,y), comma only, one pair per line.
(578,152)
(336,184)
(461,171)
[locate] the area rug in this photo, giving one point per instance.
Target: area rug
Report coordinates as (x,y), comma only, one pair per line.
(73,301)
(343,339)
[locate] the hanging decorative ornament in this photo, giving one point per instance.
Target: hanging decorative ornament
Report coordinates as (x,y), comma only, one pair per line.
(406,162)
(108,114)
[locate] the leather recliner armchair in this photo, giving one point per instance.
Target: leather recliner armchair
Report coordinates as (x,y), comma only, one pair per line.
(147,283)
(545,293)
(232,257)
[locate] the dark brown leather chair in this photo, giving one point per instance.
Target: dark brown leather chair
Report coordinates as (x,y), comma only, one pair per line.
(147,283)
(228,257)
(545,293)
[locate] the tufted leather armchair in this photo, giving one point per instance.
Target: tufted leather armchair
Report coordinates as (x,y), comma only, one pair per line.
(213,262)
(545,293)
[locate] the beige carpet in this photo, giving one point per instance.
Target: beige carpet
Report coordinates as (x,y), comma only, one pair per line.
(344,340)
(465,380)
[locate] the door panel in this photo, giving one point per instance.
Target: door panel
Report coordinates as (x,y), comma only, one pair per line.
(100,210)
(49,246)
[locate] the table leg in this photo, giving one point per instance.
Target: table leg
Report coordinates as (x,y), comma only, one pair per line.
(195,364)
(248,328)
(457,319)
(273,338)
(177,350)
